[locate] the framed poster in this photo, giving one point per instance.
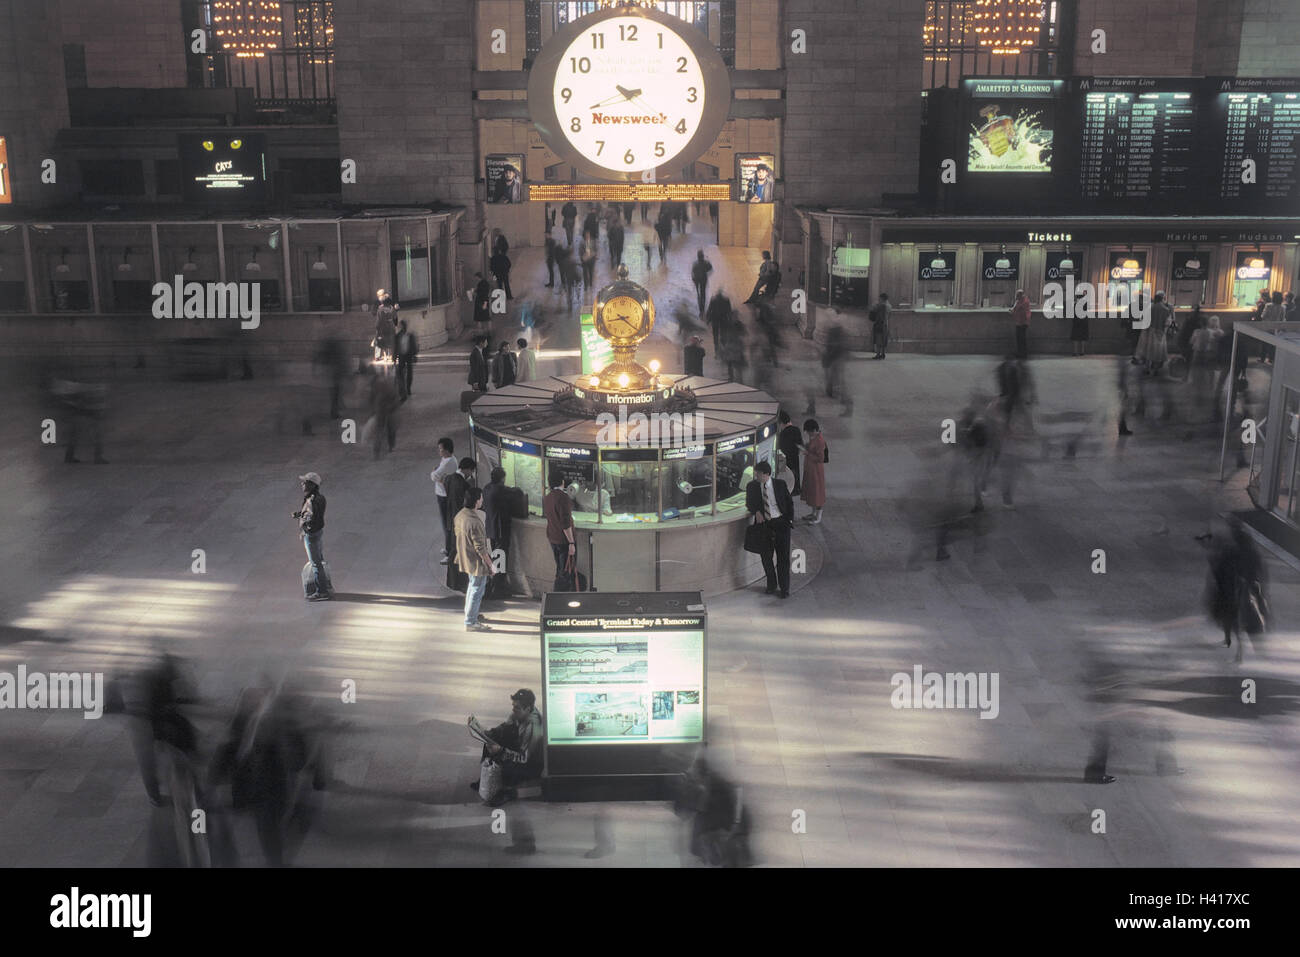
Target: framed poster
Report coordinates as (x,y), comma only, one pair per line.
(505,178)
(1012,125)
(1000,267)
(937,265)
(1190,264)
(755,178)
(226,169)
(1062,263)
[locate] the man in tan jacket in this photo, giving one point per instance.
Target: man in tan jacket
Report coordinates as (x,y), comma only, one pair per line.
(473,557)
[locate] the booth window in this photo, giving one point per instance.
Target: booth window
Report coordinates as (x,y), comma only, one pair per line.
(735,471)
(524,470)
(580,480)
(687,485)
(632,478)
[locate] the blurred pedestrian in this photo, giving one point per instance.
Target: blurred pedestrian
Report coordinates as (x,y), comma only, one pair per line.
(615,236)
(693,357)
(525,361)
(499,265)
(1235,591)
(383,411)
(766,271)
(503,366)
(1020,312)
(700,277)
(834,361)
(482,296)
(569,217)
(1152,347)
(664,230)
(85,407)
(550,261)
(879,316)
(408,350)
(716,317)
(587,253)
(733,348)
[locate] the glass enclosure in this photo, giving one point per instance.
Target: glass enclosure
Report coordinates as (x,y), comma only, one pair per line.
(617,486)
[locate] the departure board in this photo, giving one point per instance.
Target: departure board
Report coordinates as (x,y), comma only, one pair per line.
(1256,120)
(1137,142)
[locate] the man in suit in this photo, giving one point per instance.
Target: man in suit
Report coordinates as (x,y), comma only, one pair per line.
(789,440)
(496,512)
(478,366)
(457,485)
(769,501)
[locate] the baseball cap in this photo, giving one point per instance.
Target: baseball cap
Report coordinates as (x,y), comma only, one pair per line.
(525,697)
(313,477)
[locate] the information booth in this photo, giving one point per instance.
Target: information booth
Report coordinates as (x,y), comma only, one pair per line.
(624,692)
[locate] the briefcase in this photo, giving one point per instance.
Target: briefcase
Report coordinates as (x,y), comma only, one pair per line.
(758,538)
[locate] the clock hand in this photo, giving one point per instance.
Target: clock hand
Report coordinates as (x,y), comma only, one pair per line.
(627,94)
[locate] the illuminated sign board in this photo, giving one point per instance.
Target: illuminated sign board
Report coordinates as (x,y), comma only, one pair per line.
(1190,264)
(755,178)
(618,676)
(6,196)
(520,446)
(1001,266)
(596,350)
(1061,264)
(736,442)
(483,435)
(569,454)
(1252,265)
(1126,266)
(850,263)
(223,168)
(505,178)
(936,265)
(629,192)
(1012,125)
(688,452)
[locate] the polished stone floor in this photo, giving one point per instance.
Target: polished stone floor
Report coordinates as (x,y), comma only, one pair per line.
(98,560)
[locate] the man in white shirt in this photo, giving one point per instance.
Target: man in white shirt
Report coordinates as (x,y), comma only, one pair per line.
(446,466)
(768,500)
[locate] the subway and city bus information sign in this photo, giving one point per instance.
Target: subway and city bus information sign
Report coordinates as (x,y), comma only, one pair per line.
(624,679)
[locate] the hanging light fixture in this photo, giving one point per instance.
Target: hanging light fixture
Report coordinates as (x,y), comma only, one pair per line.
(252,265)
(125,264)
(1006,27)
(189,265)
(247,28)
(63,266)
(319,265)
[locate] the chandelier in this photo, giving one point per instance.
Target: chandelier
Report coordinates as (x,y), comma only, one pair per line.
(1007,26)
(313,28)
(247,28)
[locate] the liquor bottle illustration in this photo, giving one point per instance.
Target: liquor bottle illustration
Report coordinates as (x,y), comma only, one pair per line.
(999,131)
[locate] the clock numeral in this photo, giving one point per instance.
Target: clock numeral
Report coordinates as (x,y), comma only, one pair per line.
(681,126)
(582,65)
(575,125)
(598,41)
(694,94)
(629,32)
(661,41)
(681,64)
(600,145)
(567,94)
(628,158)
(659,148)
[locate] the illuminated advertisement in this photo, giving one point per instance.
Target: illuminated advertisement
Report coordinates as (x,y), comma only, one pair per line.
(1190,264)
(225,169)
(5,195)
(1127,267)
(1012,125)
(596,349)
(1001,266)
(625,677)
(938,265)
(755,177)
(505,178)
(1254,266)
(1061,264)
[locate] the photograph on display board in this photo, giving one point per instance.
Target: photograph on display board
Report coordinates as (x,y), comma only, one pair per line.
(663,705)
(1012,126)
(688,697)
(586,662)
(756,177)
(610,714)
(505,178)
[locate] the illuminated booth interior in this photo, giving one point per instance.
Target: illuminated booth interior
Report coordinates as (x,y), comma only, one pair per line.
(655,463)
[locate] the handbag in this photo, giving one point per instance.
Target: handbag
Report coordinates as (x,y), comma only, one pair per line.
(758,538)
(489,779)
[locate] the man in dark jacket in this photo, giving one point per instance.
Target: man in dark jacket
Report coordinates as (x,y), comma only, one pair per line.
(788,440)
(478,366)
(700,276)
(615,235)
(569,216)
(693,356)
(311,521)
(482,293)
(503,366)
(497,499)
(407,349)
(499,265)
(550,261)
(457,484)
(769,502)
(716,316)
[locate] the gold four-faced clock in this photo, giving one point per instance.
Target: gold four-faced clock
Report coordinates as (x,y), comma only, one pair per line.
(629,90)
(624,314)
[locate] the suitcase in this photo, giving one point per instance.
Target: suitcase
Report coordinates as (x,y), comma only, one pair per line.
(308,580)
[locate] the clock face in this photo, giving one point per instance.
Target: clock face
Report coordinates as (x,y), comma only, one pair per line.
(622,318)
(628,91)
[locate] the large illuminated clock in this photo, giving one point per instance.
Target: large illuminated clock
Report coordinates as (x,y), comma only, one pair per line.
(629,90)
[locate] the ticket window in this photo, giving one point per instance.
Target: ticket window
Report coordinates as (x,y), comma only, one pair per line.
(1000,277)
(591,503)
(633,490)
(688,485)
(1188,280)
(1252,274)
(735,471)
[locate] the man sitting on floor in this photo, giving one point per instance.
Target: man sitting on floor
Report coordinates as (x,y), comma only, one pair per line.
(516,744)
